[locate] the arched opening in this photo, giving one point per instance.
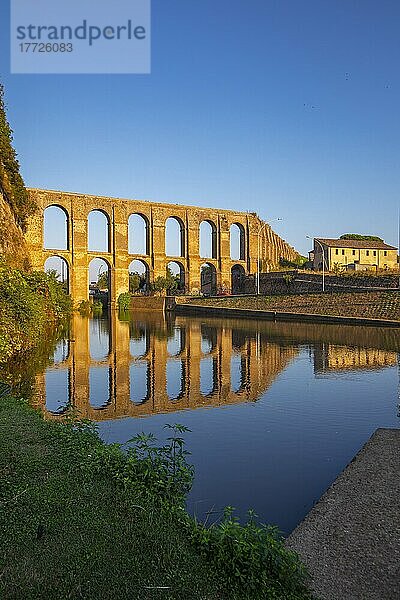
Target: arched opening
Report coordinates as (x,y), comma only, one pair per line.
(175,275)
(238,277)
(239,338)
(99,280)
(176,379)
(61,352)
(208,279)
(98,231)
(99,387)
(208,239)
(139,382)
(57,387)
(237,242)
(238,373)
(208,376)
(55,228)
(99,339)
(208,339)
(139,343)
(138,277)
(59,267)
(176,342)
(174,237)
(138,235)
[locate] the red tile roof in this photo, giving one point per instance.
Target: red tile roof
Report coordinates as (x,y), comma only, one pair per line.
(368,244)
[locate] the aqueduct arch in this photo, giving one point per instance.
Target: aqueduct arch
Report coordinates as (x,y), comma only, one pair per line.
(77,208)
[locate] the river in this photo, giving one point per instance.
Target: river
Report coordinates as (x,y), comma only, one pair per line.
(276,410)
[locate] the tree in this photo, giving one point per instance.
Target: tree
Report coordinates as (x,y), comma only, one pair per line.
(10,178)
(134,282)
(173,281)
(169,283)
(357,236)
(160,284)
(102,281)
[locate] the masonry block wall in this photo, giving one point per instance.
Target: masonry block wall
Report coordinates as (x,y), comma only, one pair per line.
(78,206)
(295,282)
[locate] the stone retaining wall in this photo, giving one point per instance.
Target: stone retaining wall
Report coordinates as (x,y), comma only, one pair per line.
(299,282)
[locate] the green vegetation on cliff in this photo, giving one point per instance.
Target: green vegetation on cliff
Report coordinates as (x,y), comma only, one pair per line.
(32,306)
(10,178)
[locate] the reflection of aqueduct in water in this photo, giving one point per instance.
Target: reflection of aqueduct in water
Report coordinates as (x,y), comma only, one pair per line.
(151,365)
(144,368)
(138,230)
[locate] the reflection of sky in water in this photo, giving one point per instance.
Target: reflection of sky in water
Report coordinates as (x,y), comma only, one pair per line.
(236,372)
(139,381)
(138,348)
(174,344)
(61,352)
(99,386)
(57,390)
(174,373)
(206,345)
(99,339)
(207,375)
(277,454)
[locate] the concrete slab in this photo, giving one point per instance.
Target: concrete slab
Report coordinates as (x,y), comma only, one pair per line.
(350,540)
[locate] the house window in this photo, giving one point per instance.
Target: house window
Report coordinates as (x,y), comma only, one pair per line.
(354,252)
(367,252)
(374,252)
(337,251)
(342,251)
(385,253)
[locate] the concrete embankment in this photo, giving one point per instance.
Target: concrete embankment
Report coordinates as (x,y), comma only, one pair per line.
(350,541)
(204,309)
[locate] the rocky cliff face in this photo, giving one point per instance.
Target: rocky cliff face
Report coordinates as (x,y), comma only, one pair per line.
(12,242)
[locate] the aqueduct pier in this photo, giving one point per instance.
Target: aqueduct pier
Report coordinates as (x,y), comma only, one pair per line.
(118,255)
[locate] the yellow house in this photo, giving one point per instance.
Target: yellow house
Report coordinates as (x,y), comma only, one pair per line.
(359,255)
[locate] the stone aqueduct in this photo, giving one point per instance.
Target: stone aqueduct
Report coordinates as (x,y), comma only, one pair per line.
(78,207)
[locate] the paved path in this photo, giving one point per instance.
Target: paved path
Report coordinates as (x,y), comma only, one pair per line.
(350,540)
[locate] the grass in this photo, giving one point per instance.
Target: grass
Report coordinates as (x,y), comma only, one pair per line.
(66,534)
(374,305)
(71,530)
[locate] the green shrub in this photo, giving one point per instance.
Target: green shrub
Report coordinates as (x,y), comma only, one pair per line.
(161,472)
(251,560)
(32,305)
(124,301)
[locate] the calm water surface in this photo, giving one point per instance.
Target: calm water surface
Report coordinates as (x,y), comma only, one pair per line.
(276,410)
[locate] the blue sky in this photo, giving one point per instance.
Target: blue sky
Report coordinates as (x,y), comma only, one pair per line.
(282,107)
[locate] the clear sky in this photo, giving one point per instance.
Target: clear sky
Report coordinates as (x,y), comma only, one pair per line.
(288,108)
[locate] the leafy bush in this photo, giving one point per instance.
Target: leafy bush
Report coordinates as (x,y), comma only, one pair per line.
(124,301)
(252,559)
(32,305)
(161,472)
(87,308)
(299,261)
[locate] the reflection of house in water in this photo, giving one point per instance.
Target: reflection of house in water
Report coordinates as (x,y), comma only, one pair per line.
(332,357)
(120,368)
